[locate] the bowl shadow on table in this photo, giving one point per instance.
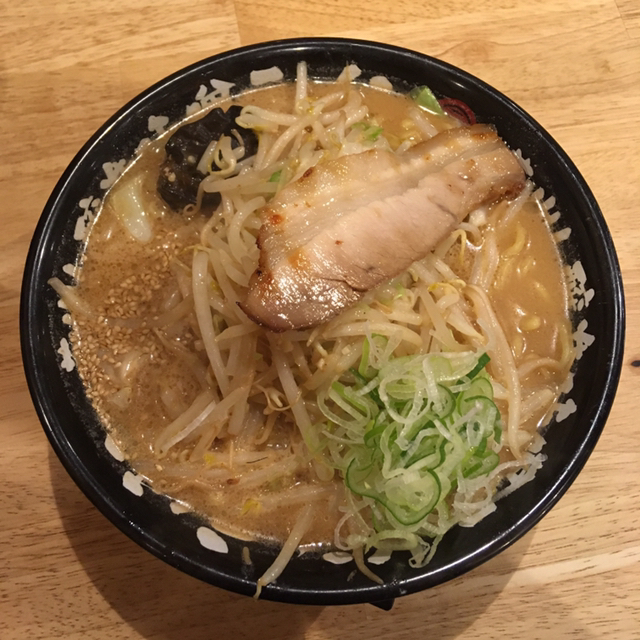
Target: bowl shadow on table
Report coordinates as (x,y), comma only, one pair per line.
(160,602)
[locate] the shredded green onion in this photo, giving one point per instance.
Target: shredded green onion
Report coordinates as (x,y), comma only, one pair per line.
(370,132)
(410,438)
(424,97)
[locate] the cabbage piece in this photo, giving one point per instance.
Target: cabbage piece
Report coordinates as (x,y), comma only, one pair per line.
(127,200)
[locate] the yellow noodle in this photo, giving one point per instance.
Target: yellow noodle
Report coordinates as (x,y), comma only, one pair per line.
(518,244)
(548,363)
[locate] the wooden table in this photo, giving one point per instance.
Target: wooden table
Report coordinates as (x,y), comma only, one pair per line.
(65,67)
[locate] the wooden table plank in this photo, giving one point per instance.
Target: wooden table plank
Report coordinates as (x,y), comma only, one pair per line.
(65,572)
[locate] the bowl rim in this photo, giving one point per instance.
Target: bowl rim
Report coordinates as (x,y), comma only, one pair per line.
(90,486)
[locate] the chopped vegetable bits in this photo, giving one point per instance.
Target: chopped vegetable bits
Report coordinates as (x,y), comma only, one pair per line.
(415,439)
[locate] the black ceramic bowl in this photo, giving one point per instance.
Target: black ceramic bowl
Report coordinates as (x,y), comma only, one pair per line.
(79,439)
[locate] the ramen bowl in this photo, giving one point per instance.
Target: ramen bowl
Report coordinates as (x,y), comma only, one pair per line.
(185,540)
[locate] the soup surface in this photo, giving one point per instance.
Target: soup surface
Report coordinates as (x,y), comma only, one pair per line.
(260,430)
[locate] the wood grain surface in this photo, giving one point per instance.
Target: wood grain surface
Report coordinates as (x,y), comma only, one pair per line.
(65,66)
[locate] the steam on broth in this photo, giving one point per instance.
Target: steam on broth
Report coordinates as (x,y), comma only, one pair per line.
(416,407)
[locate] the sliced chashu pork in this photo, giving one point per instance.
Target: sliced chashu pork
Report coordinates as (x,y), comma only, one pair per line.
(357,221)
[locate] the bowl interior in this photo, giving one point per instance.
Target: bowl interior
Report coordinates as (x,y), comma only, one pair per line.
(79,439)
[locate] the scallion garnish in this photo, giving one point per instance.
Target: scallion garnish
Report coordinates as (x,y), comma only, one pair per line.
(424,97)
(411,433)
